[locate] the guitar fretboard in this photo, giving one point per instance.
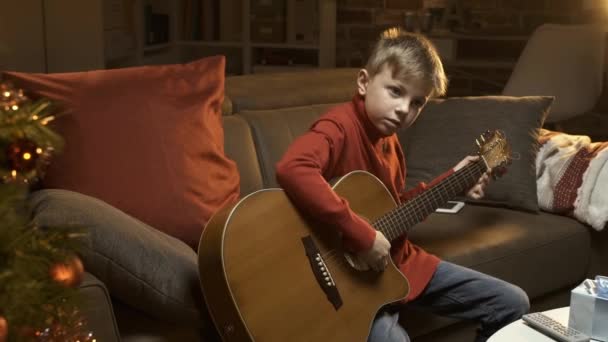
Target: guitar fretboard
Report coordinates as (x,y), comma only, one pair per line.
(401,219)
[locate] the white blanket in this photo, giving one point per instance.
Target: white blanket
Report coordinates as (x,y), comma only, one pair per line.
(572,177)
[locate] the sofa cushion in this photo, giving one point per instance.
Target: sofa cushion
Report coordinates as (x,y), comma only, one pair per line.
(446,130)
(291,89)
(540,252)
(274,130)
(143,267)
(147,140)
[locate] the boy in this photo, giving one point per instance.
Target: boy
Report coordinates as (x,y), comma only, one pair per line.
(402,72)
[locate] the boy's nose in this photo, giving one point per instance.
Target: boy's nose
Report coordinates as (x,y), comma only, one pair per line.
(404,108)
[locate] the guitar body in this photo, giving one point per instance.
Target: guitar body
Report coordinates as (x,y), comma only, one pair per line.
(259,283)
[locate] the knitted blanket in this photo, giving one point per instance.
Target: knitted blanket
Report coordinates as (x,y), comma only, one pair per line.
(572,177)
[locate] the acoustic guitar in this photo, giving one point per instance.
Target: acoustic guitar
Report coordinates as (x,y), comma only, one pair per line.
(270,274)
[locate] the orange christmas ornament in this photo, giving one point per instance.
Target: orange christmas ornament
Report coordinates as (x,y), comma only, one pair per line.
(68,273)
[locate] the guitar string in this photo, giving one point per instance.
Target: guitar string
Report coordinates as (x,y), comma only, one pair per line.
(450,182)
(417,205)
(423,205)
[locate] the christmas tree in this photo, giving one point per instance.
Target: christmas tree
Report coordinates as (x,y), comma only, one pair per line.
(39,266)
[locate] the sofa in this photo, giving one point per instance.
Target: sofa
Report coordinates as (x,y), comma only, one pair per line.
(545,254)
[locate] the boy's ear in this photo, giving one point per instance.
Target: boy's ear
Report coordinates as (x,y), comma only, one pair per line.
(362,82)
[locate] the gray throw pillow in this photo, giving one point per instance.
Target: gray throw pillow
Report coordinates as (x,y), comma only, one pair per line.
(141,266)
(446,130)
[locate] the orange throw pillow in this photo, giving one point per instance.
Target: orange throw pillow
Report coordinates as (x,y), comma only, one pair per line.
(147,140)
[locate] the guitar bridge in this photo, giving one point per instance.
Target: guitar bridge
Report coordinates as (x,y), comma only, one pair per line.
(321,272)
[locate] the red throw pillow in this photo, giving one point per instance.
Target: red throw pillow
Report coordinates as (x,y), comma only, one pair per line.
(148,140)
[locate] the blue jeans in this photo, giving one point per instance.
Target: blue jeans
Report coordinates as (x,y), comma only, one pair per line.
(459,292)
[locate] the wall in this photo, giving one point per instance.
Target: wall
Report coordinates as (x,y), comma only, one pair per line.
(21,36)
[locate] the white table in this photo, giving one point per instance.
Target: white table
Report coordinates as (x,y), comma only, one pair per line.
(519,331)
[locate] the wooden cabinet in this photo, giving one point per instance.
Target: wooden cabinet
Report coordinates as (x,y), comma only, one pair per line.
(259,35)
(76,35)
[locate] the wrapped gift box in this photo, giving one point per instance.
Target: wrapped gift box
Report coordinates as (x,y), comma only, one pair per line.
(589,313)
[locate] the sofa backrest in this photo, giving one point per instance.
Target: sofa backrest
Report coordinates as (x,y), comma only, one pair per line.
(290,89)
(264,113)
(274,130)
(240,147)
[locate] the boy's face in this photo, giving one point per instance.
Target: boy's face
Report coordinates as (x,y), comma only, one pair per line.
(390,103)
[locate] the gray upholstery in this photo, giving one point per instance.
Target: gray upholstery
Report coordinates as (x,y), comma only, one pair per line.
(138,264)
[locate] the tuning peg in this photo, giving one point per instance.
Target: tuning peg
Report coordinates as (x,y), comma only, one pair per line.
(478,143)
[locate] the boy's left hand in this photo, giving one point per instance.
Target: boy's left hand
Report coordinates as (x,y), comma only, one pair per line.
(477,191)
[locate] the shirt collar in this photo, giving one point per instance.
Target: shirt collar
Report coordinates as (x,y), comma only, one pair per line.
(372,132)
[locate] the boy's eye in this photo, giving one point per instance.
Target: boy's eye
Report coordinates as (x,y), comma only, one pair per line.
(394,91)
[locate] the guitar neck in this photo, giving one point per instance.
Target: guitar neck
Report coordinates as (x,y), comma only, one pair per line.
(400,220)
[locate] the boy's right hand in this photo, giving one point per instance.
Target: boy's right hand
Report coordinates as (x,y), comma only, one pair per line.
(376,257)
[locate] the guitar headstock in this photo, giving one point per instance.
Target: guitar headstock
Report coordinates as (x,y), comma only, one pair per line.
(495,151)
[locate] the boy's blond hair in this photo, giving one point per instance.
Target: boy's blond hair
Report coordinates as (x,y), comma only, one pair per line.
(411,56)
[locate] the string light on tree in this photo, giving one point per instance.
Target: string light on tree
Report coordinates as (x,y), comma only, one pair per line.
(11,98)
(22,155)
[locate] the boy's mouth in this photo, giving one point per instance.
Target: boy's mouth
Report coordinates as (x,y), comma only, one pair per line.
(395,123)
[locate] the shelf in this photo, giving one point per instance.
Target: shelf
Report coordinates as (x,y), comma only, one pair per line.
(204,43)
(473,36)
(217,43)
(285,46)
(478,63)
(266,68)
(156,47)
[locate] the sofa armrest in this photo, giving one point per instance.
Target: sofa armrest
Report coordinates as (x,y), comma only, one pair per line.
(97,309)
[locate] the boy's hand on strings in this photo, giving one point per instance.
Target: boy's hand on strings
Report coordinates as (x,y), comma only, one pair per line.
(477,191)
(378,256)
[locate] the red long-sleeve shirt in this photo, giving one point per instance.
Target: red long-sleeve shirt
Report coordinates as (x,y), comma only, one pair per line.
(341,141)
